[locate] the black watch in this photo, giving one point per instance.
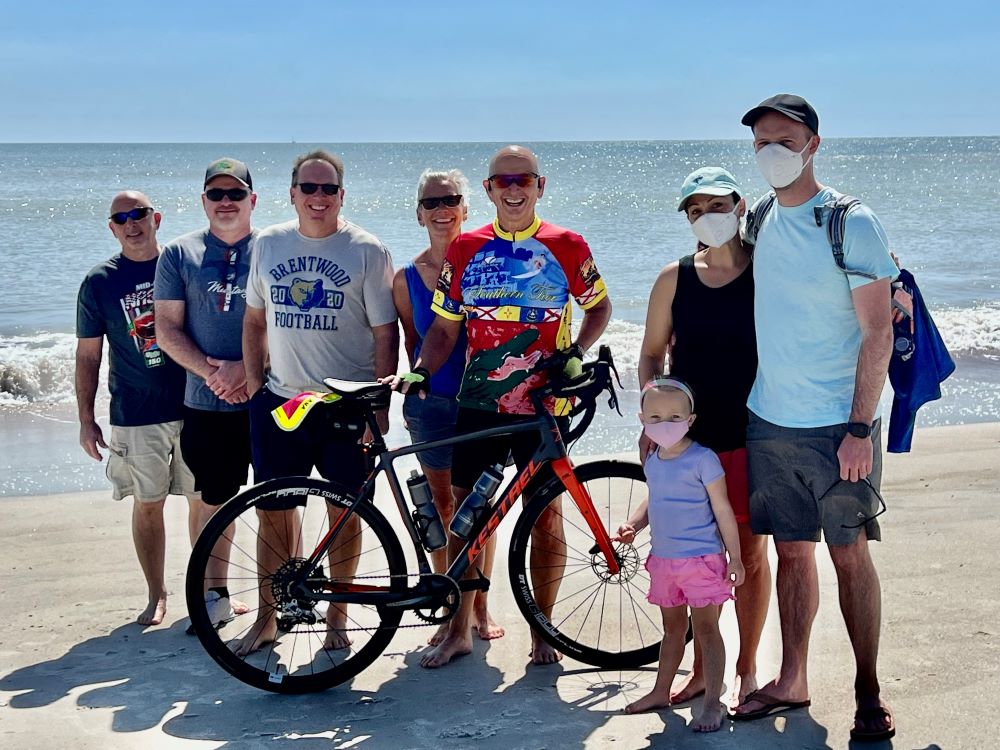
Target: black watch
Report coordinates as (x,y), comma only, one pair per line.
(859,429)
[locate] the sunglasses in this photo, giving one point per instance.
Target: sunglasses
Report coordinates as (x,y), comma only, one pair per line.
(504,181)
(136,214)
(429,204)
(328,188)
(862,518)
(234,194)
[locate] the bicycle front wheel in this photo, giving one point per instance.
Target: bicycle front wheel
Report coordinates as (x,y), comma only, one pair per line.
(564,588)
(289,640)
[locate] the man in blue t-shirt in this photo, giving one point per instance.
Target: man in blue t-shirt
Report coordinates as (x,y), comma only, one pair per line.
(147,388)
(824,339)
(200,292)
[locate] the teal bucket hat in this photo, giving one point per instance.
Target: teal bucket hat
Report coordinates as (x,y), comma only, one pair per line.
(708,181)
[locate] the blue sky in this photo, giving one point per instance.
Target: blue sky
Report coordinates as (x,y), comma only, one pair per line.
(388,70)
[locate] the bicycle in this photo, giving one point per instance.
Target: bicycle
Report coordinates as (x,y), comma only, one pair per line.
(599,615)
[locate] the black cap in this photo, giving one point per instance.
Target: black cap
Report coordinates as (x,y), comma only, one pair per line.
(789,105)
(231,167)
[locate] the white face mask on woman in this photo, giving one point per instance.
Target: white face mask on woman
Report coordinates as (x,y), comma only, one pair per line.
(781,166)
(716,229)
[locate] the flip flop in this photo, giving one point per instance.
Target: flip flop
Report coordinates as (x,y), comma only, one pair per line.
(771,706)
(867,715)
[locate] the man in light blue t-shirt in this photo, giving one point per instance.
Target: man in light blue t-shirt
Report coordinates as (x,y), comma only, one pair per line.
(824,338)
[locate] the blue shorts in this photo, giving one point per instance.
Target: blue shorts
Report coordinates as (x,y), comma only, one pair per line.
(432,418)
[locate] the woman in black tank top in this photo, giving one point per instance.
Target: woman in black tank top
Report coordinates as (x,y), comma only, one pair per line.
(701,314)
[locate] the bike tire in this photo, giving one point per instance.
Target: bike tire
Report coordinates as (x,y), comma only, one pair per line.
(299,660)
(595,618)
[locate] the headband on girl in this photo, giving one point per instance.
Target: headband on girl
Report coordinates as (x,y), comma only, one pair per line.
(671,382)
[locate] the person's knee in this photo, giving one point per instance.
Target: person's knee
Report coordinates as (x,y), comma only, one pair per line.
(796,553)
(754,558)
(705,628)
(853,557)
(149,508)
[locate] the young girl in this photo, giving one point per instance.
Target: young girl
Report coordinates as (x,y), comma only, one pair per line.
(687,510)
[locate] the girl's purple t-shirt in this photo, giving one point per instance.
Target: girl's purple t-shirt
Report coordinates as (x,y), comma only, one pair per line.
(681,521)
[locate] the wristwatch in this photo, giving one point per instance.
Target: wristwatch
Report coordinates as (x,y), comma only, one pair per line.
(859,429)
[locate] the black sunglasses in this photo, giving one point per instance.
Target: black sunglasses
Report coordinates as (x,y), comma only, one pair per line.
(234,194)
(429,204)
(862,518)
(504,181)
(136,214)
(311,187)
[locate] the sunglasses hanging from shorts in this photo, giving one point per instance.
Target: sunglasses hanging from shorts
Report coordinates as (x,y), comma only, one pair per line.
(234,194)
(309,188)
(863,519)
(429,204)
(136,214)
(504,181)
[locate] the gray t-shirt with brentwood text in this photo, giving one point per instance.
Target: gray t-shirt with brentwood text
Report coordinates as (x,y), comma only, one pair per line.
(321,298)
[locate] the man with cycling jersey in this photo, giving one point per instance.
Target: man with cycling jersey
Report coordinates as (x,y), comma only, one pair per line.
(511,284)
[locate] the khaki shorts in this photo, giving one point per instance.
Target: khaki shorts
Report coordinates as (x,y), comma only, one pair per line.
(146,462)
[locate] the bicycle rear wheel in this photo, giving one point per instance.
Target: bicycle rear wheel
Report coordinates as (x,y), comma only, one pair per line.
(566,593)
(270,530)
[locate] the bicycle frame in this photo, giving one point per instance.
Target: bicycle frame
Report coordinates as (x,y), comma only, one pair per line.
(552,451)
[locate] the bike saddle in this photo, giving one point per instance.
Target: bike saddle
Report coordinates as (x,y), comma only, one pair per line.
(350,390)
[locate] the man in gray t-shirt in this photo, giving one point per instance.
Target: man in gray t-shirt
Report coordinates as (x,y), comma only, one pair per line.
(319,304)
(200,294)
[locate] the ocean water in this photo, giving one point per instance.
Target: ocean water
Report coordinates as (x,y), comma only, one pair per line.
(938,198)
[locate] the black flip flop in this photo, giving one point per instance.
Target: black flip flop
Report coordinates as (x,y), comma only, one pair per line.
(867,715)
(771,706)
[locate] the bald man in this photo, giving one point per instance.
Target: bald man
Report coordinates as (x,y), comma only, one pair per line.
(147,388)
(509,283)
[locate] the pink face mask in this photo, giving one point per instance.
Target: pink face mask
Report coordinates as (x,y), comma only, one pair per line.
(666,434)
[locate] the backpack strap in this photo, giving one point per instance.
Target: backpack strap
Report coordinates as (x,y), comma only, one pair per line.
(755,217)
(835,226)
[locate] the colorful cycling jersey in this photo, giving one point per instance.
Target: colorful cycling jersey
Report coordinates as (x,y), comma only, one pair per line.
(514,294)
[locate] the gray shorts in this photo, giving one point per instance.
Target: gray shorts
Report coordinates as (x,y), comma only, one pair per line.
(795,487)
(146,462)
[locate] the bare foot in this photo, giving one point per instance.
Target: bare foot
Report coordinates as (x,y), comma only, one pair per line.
(543,653)
(486,626)
(336,629)
(439,635)
(239,607)
(710,718)
(688,689)
(652,701)
(453,645)
(743,685)
(262,634)
(154,612)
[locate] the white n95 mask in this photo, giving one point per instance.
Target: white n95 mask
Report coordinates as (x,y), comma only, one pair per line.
(716,229)
(780,166)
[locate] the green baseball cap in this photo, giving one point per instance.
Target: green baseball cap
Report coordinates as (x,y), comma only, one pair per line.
(708,181)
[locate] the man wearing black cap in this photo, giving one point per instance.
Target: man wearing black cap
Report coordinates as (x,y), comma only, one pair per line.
(824,338)
(200,296)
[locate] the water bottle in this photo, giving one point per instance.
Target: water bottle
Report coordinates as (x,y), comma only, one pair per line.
(477,502)
(425,515)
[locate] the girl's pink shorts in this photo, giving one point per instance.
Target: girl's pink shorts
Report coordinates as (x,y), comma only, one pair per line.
(694,581)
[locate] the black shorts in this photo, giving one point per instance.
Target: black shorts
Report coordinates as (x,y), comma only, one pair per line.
(472,457)
(795,486)
(327,440)
(216,447)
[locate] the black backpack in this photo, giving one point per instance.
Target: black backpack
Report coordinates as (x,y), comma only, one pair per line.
(836,213)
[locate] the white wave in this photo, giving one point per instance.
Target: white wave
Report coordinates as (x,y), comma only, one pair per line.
(973,330)
(40,367)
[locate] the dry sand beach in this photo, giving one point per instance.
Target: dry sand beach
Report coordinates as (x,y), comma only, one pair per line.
(76,672)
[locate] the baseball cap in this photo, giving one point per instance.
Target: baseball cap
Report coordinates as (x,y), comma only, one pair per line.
(231,167)
(708,181)
(789,105)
